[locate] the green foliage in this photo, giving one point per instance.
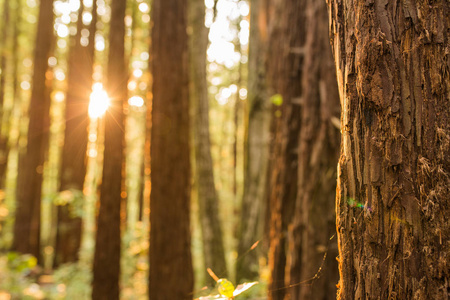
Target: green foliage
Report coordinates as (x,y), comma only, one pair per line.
(73,198)
(134,263)
(20,263)
(14,278)
(72,281)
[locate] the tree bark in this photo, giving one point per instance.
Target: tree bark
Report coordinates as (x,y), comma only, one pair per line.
(284,74)
(107,251)
(257,148)
(170,274)
(208,200)
(31,163)
(392,62)
(312,270)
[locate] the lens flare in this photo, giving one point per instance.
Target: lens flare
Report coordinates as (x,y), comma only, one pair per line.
(99,101)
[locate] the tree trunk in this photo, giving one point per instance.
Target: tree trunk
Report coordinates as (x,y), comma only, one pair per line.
(312,270)
(208,201)
(393,203)
(171,274)
(31,163)
(4,147)
(257,148)
(107,251)
(73,165)
(284,74)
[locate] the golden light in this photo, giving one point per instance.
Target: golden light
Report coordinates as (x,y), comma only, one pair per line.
(99,101)
(136,101)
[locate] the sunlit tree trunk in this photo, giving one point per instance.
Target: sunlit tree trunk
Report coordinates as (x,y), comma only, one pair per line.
(213,249)
(311,253)
(5,36)
(393,194)
(31,163)
(257,148)
(87,234)
(285,75)
(107,251)
(171,274)
(73,168)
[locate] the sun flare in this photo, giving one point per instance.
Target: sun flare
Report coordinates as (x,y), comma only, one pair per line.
(99,101)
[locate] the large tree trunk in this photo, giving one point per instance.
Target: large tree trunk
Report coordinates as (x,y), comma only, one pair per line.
(208,201)
(107,251)
(284,74)
(31,163)
(73,166)
(257,148)
(393,202)
(312,267)
(171,274)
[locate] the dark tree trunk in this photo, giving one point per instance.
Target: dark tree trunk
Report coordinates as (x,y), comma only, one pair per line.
(5,35)
(171,274)
(208,201)
(257,148)
(73,166)
(107,251)
(31,163)
(393,202)
(285,75)
(312,270)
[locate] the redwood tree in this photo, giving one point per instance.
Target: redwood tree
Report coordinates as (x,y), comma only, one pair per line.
(170,274)
(393,202)
(312,271)
(284,76)
(107,246)
(257,147)
(73,166)
(208,200)
(31,161)
(305,150)
(4,56)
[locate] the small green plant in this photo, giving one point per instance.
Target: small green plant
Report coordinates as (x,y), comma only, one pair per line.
(226,289)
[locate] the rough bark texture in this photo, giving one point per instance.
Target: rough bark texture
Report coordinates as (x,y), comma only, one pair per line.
(107,250)
(313,222)
(284,74)
(171,274)
(393,202)
(257,148)
(208,200)
(73,166)
(31,162)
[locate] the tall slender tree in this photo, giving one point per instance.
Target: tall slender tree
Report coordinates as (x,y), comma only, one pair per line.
(31,162)
(5,35)
(171,274)
(393,194)
(208,201)
(73,166)
(284,70)
(311,253)
(257,147)
(107,247)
